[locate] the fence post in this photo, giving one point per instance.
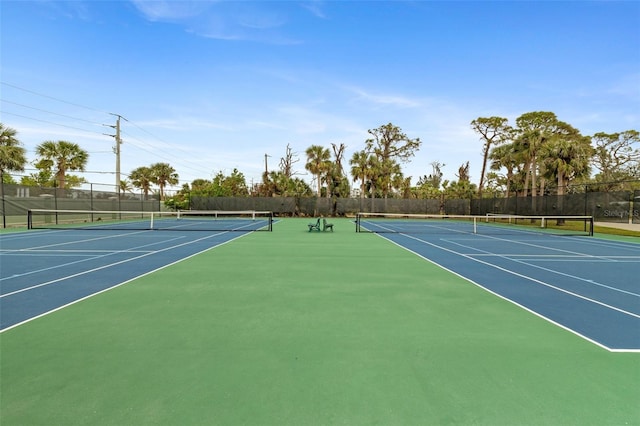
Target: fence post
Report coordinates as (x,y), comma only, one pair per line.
(4,213)
(636,206)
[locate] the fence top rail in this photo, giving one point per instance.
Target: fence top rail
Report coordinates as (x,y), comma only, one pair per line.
(485,216)
(155,212)
(538,216)
(225,211)
(92,211)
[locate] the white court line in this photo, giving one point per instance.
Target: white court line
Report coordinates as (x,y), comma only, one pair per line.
(505,298)
(54,252)
(193,226)
(129,280)
(623,245)
(533,257)
(617,260)
(63,265)
(554,256)
(591,282)
(597,302)
(546,248)
(539,315)
(104,266)
(75,242)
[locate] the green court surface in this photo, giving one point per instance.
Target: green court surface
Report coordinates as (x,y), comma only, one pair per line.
(308,328)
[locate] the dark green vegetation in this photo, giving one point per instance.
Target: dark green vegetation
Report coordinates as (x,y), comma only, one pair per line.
(540,154)
(293,327)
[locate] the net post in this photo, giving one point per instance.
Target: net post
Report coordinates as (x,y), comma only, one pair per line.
(151,223)
(358,222)
(29,219)
(475,225)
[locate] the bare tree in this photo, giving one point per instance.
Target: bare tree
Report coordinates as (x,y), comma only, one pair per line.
(287,162)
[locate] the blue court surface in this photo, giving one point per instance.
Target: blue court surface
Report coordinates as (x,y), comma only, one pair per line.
(45,270)
(589,286)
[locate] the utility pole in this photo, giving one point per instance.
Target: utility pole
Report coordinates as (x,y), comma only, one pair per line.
(116,149)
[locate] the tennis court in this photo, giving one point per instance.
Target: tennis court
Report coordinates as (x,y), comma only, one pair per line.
(589,286)
(293,327)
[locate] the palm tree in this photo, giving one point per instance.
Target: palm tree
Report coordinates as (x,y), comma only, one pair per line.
(534,129)
(391,178)
(63,156)
(12,154)
(318,159)
(567,158)
(142,178)
(504,156)
(359,169)
(163,175)
(367,168)
(125,186)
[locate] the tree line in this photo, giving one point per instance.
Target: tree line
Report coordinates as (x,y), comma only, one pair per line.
(542,150)
(55,159)
(538,154)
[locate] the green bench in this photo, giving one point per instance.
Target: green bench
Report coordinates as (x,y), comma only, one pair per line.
(326,225)
(314,226)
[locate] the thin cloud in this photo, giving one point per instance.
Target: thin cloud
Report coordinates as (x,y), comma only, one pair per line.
(231,21)
(315,7)
(171,11)
(69,10)
(627,86)
(383,99)
(265,125)
(182,124)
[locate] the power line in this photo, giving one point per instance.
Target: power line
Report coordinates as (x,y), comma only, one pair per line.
(52,97)
(49,122)
(28,169)
(153,150)
(171,154)
(159,153)
(48,112)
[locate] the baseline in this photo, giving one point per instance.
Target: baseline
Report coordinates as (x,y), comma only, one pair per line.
(606,325)
(43,297)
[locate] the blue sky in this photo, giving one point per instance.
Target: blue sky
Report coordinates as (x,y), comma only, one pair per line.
(210,86)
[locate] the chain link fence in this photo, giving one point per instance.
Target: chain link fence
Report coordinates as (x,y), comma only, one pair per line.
(619,206)
(17,199)
(616,206)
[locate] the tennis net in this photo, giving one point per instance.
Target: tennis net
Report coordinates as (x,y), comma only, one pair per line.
(470,224)
(186,220)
